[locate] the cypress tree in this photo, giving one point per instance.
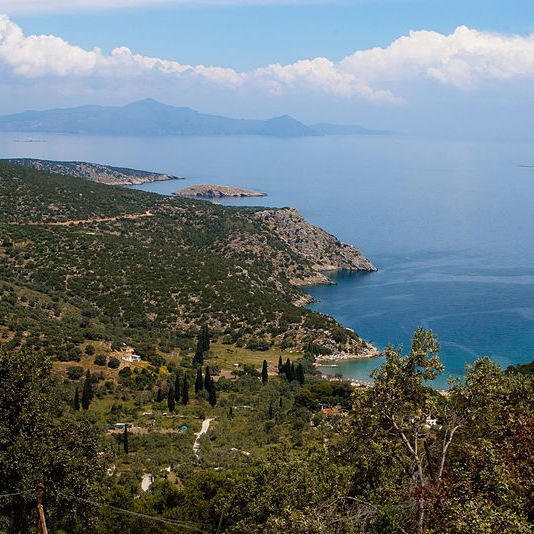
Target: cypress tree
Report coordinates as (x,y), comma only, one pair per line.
(280,364)
(125,440)
(212,395)
(76,402)
(287,370)
(264,374)
(293,372)
(205,337)
(280,403)
(199,354)
(159,396)
(171,402)
(199,383)
(87,392)
(177,387)
(300,373)
(208,381)
(271,410)
(185,391)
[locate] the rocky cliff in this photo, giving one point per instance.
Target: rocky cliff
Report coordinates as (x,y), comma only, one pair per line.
(323,250)
(95,172)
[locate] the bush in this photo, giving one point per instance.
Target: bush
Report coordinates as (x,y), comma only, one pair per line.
(255,344)
(89,350)
(75,372)
(100,359)
(113,363)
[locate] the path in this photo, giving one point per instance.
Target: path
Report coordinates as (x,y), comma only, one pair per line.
(203,430)
(82,221)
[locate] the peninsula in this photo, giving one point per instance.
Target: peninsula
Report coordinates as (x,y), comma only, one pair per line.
(104,174)
(216,191)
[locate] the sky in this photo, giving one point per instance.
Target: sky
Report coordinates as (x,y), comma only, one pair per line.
(417,66)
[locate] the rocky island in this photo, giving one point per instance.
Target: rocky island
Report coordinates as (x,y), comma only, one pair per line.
(216,191)
(104,174)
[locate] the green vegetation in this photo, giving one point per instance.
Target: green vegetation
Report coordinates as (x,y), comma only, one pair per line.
(122,338)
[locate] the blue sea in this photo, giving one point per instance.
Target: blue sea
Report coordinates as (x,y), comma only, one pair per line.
(449,224)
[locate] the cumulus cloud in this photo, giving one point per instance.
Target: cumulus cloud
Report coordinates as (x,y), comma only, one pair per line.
(464,59)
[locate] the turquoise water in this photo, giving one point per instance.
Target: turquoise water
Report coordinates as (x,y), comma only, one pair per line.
(448,222)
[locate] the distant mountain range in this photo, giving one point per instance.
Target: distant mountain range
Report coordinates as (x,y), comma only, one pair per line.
(151,118)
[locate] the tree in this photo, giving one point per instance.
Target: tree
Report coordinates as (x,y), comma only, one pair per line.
(87,391)
(171,401)
(280,364)
(177,388)
(125,440)
(205,338)
(185,390)
(212,399)
(159,395)
(287,370)
(264,374)
(198,359)
(199,382)
(300,373)
(208,381)
(76,402)
(398,405)
(42,441)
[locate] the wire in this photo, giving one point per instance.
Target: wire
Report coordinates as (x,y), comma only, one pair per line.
(136,514)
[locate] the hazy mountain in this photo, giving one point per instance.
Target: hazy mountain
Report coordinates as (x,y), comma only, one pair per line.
(148,117)
(325,128)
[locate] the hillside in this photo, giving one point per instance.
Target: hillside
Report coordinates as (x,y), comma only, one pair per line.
(147,118)
(95,172)
(112,263)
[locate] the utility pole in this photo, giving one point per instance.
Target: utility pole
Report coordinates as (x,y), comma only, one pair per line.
(41,526)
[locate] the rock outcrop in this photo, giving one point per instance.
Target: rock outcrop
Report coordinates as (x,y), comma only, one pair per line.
(216,191)
(323,250)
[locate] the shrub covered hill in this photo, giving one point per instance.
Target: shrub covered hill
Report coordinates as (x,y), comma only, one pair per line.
(86,261)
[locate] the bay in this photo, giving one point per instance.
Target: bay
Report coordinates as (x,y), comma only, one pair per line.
(447,222)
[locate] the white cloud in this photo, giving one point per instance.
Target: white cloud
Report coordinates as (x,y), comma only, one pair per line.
(464,59)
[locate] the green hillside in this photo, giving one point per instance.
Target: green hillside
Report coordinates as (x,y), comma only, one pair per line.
(110,275)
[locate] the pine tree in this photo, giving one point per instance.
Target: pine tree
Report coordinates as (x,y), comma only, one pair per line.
(199,383)
(76,402)
(171,402)
(87,392)
(208,381)
(212,395)
(264,373)
(280,364)
(159,395)
(177,387)
(125,440)
(300,373)
(185,390)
